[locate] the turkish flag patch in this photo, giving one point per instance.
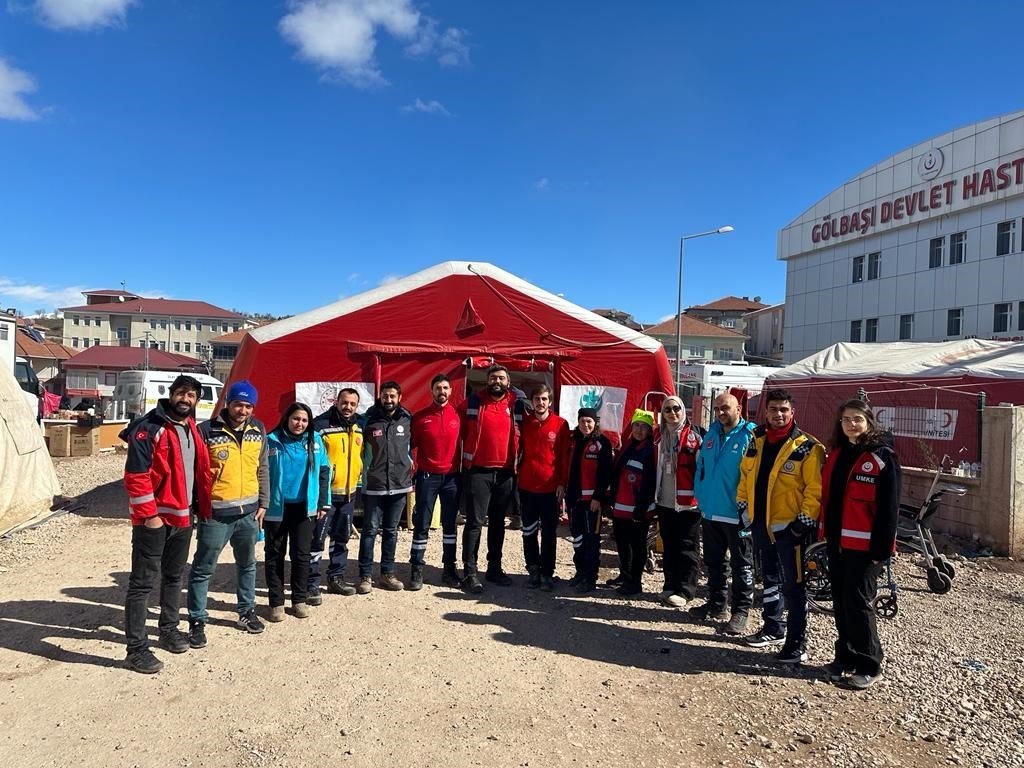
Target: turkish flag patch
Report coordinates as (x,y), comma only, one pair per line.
(141,435)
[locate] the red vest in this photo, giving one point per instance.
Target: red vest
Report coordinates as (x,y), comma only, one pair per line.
(860,501)
(629,488)
(588,461)
(686,465)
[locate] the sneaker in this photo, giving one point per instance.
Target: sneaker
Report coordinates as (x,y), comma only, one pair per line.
(196,634)
(499,577)
(533,581)
(314,597)
(300,610)
(629,588)
(764,640)
(250,622)
(863,682)
(450,577)
(836,672)
(144,661)
(174,641)
(585,585)
(364,586)
(338,587)
(472,584)
(389,582)
(276,613)
(736,625)
(709,612)
(515,523)
(618,581)
(547,584)
(794,655)
(675,600)
(415,579)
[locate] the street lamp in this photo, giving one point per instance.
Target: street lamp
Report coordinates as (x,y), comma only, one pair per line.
(679,302)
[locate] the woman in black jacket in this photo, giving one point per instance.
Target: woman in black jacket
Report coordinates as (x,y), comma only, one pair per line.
(860,505)
(590,475)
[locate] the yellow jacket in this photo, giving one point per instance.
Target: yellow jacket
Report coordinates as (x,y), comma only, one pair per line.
(345,449)
(238,467)
(794,485)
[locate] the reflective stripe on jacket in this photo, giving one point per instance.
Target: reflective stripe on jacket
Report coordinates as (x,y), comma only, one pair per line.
(236,466)
(686,464)
(860,499)
(345,448)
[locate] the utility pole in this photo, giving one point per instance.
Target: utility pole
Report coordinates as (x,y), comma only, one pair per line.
(145,354)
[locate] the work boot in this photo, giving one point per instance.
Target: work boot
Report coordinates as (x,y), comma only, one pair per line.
(389,582)
(450,577)
(276,613)
(515,523)
(499,577)
(415,579)
(737,624)
(576,579)
(314,597)
(629,588)
(174,640)
(533,581)
(708,612)
(547,583)
(364,586)
(300,610)
(583,586)
(472,584)
(338,587)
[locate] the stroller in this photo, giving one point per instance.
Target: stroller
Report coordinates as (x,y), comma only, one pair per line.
(914,532)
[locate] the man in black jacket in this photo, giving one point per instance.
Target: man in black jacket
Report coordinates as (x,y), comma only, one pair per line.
(387,434)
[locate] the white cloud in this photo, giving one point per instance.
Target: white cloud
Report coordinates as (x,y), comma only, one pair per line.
(388,279)
(29,297)
(543,183)
(353,276)
(82,14)
(432,107)
(340,36)
(14,84)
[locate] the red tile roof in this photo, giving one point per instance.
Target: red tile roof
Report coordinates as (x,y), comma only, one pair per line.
(129,357)
(110,293)
(235,337)
(692,327)
(159,308)
(731,304)
(26,346)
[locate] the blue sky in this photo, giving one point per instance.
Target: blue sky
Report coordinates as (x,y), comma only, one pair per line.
(274,156)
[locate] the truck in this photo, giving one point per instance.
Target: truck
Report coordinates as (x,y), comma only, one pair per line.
(137,392)
(700,383)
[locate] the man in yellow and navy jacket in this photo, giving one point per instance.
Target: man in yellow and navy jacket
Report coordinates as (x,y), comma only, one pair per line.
(240,476)
(779,499)
(341,429)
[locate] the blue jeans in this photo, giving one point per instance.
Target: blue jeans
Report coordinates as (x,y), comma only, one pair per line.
(380,513)
(211,537)
(428,488)
(338,525)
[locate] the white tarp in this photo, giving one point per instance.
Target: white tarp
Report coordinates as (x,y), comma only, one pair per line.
(971,357)
(320,395)
(610,403)
(27,480)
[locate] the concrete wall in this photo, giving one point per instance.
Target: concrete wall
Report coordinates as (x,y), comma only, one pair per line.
(993,509)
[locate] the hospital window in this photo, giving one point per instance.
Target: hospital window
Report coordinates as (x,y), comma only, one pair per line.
(75,319)
(177,346)
(855,331)
(188,346)
(906,327)
(958,248)
(871,329)
(1002,317)
(74,341)
(1006,237)
(954,322)
(858,269)
(874,265)
(935,252)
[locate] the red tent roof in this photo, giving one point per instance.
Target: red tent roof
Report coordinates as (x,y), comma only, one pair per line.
(130,357)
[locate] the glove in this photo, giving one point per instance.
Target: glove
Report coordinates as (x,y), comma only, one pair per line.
(797,529)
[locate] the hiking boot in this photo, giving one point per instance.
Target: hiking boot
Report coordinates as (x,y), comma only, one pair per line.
(675,600)
(250,622)
(471,583)
(863,682)
(276,613)
(618,581)
(314,597)
(338,587)
(174,641)
(709,612)
(416,579)
(143,661)
(629,588)
(389,582)
(836,672)
(533,580)
(794,655)
(300,610)
(364,586)
(764,640)
(196,634)
(736,625)
(515,523)
(585,585)
(450,577)
(498,577)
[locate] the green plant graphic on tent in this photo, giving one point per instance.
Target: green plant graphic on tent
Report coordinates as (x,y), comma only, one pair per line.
(591,399)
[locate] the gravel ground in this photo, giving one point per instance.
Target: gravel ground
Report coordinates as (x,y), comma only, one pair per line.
(513,678)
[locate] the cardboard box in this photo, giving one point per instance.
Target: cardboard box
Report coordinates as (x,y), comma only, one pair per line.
(60,440)
(85,442)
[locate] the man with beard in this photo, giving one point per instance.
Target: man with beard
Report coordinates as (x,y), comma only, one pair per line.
(166,474)
(491,420)
(340,428)
(388,435)
(435,438)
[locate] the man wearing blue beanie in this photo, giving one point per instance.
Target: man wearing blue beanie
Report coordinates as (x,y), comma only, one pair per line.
(237,443)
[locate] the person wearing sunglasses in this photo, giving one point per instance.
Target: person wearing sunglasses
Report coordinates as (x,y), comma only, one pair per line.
(676,510)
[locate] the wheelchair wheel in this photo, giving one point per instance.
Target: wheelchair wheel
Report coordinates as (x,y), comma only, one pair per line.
(886,607)
(651,564)
(938,582)
(816,576)
(944,566)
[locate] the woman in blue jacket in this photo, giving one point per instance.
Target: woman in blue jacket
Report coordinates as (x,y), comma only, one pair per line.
(300,492)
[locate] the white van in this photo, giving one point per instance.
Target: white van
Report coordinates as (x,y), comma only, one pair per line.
(710,379)
(137,392)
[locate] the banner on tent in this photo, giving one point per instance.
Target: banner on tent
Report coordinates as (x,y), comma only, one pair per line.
(927,423)
(610,403)
(320,395)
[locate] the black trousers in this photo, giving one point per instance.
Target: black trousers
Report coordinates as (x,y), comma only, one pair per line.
(540,520)
(155,552)
(631,542)
(294,532)
(489,496)
(725,551)
(854,580)
(586,539)
(680,535)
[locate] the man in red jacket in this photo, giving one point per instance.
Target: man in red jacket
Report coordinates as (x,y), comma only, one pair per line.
(166,474)
(543,472)
(491,421)
(435,439)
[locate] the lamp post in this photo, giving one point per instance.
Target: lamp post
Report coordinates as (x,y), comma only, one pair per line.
(679,301)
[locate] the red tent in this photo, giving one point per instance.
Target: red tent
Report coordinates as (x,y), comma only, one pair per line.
(454,318)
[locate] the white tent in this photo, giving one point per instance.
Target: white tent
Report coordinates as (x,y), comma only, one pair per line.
(27,480)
